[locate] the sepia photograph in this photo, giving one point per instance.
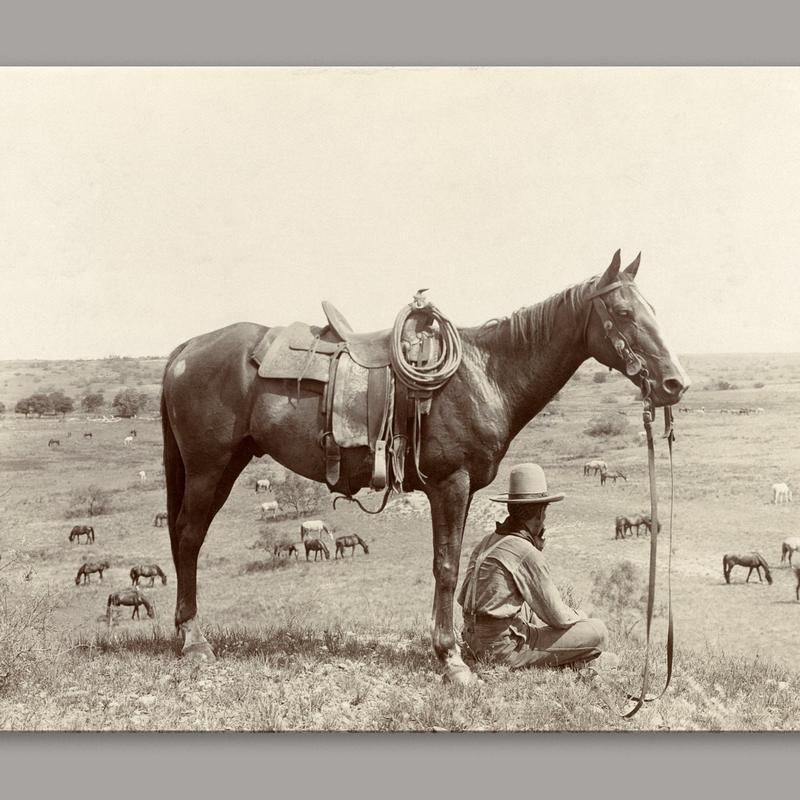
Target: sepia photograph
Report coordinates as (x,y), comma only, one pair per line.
(387,399)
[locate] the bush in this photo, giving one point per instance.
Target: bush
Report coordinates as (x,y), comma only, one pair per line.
(600,377)
(300,494)
(92,401)
(128,402)
(607,425)
(758,385)
(622,591)
(91,501)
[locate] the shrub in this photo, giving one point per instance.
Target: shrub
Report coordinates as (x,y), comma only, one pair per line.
(300,494)
(600,377)
(607,425)
(758,385)
(90,501)
(622,591)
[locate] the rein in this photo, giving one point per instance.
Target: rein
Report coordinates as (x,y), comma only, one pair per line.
(635,365)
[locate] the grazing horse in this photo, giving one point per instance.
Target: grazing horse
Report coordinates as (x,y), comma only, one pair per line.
(54,443)
(89,567)
(272,506)
(130,597)
(142,475)
(753,560)
(316,546)
(127,441)
(159,519)
(606,475)
(315,529)
(594,467)
(351,542)
(82,530)
(217,414)
(781,493)
(284,547)
(133,433)
(621,526)
(789,546)
(262,484)
(147,571)
(87,435)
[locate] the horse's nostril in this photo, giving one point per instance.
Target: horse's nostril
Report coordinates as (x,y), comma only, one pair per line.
(673,386)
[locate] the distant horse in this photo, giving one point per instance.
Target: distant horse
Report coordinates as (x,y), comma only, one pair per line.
(217,414)
(133,433)
(789,546)
(753,560)
(643,519)
(606,475)
(69,434)
(130,597)
(594,467)
(127,441)
(142,475)
(797,588)
(89,567)
(263,484)
(284,547)
(271,506)
(147,571)
(316,546)
(621,526)
(54,443)
(160,519)
(315,529)
(781,493)
(349,541)
(82,530)
(87,435)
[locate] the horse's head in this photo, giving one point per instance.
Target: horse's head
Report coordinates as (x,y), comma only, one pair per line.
(622,333)
(366,547)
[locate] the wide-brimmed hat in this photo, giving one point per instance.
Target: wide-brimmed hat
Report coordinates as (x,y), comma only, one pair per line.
(527,484)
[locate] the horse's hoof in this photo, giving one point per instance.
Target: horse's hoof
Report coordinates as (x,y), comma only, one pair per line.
(460,675)
(199,651)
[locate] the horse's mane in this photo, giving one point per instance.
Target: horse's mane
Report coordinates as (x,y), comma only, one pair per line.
(534,324)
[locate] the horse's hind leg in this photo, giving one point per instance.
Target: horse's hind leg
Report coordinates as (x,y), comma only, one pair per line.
(205,494)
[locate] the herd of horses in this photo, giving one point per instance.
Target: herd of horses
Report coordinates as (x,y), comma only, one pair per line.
(596,465)
(755,561)
(313,536)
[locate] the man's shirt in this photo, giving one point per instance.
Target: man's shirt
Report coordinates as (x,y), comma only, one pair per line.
(514,574)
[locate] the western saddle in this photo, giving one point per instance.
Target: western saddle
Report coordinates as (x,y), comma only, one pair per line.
(367,382)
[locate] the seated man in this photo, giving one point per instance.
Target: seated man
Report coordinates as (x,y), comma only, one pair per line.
(513,611)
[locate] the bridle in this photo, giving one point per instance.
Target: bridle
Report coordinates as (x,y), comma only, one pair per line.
(635,365)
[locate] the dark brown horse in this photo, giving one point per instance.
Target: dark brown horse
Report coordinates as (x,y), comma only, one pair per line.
(317,547)
(284,547)
(151,571)
(130,597)
(217,414)
(87,568)
(350,541)
(753,560)
(82,530)
(159,519)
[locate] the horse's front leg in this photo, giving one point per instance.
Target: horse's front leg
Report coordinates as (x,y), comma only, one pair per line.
(748,575)
(450,500)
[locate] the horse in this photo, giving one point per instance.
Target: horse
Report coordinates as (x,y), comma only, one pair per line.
(142,475)
(82,530)
(789,546)
(217,414)
(271,506)
(316,546)
(130,597)
(606,475)
(594,467)
(781,493)
(54,443)
(263,484)
(797,588)
(89,567)
(350,541)
(753,560)
(621,526)
(284,547)
(147,571)
(159,519)
(315,529)
(87,435)
(133,433)
(127,441)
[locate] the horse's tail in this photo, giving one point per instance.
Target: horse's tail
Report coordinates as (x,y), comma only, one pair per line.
(767,573)
(784,552)
(134,574)
(725,569)
(174,469)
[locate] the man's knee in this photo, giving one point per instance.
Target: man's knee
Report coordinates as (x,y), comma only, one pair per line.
(595,633)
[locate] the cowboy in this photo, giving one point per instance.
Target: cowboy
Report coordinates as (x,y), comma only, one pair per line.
(513,611)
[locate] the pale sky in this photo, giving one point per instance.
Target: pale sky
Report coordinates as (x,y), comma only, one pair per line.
(140,207)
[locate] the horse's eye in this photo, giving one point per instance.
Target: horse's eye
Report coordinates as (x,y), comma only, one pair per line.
(623,313)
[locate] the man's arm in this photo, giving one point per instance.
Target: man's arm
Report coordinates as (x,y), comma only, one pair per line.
(541,594)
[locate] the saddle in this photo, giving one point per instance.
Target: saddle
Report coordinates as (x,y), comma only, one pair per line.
(362,402)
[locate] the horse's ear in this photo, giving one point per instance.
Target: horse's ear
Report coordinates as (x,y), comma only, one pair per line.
(633,267)
(611,274)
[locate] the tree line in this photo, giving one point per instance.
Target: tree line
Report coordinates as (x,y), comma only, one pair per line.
(126,403)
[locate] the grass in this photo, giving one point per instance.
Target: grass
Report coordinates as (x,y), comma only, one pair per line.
(345,645)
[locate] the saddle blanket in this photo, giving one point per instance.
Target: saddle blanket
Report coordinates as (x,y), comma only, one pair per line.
(285,353)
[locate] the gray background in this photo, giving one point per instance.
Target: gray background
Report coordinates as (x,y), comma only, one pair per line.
(398,33)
